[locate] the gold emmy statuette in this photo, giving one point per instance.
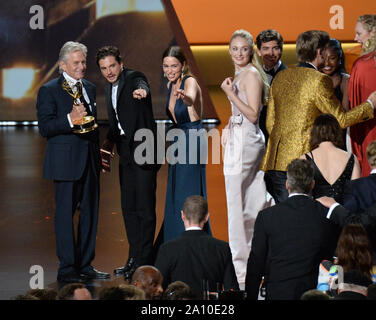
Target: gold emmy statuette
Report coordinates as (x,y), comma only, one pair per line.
(87,123)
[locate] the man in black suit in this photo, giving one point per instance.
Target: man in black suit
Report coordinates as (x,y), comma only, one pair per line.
(196,256)
(72,160)
(269,48)
(130,113)
(290,240)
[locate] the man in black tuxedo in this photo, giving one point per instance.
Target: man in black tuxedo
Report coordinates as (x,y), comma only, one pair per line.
(72,160)
(130,112)
(196,256)
(290,240)
(269,48)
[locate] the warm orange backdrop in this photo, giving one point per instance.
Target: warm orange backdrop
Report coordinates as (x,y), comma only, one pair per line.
(213,21)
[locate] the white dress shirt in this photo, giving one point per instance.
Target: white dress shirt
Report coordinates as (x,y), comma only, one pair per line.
(114,104)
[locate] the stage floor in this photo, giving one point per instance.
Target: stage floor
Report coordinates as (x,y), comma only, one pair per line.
(27,210)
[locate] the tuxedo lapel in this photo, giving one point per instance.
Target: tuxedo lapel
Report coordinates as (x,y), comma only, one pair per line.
(121,86)
(306,65)
(90,93)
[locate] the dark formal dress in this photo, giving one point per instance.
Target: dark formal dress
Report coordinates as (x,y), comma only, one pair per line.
(137,180)
(290,240)
(324,188)
(72,160)
(187,176)
(196,256)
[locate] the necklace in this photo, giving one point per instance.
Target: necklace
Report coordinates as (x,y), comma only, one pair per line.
(242,69)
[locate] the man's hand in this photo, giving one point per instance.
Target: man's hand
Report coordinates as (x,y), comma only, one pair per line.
(139,94)
(326,201)
(77,113)
(372,97)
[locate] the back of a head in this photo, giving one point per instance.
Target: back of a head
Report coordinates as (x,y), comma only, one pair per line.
(300,175)
(354,250)
(178,290)
(43,294)
(314,294)
(121,292)
(371,154)
(195,209)
(326,128)
(309,42)
(67,292)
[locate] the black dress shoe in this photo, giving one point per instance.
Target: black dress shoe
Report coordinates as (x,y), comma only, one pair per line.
(95,274)
(128,275)
(72,277)
(128,266)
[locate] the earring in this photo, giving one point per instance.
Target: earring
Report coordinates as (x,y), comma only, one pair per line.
(182,73)
(164,75)
(367,44)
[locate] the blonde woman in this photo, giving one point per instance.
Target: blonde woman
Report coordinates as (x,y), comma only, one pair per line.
(244,145)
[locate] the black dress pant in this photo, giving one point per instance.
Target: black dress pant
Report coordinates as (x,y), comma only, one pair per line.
(83,194)
(138,187)
(276,184)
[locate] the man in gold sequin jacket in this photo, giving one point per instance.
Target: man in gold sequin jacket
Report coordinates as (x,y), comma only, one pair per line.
(297,96)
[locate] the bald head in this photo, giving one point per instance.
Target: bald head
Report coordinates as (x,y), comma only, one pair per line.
(149,279)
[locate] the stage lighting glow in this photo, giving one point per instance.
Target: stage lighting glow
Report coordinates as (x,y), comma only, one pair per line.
(108,7)
(17,81)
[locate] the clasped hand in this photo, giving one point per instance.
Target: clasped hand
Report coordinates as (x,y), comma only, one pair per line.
(226,86)
(78,112)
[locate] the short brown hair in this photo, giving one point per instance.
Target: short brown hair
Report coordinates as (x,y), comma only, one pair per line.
(300,174)
(371,154)
(326,128)
(195,209)
(309,42)
(108,51)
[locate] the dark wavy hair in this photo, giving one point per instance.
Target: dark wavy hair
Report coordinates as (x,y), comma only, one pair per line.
(108,51)
(336,46)
(326,128)
(354,249)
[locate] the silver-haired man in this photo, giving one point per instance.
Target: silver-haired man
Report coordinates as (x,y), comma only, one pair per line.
(72,160)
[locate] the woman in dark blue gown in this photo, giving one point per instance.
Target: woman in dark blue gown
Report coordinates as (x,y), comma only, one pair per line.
(187,153)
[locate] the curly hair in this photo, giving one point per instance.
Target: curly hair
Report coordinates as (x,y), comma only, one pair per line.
(354,250)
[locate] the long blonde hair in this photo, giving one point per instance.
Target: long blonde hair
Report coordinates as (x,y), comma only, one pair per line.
(255,61)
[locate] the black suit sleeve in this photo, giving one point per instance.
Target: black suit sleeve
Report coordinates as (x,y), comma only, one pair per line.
(49,123)
(342,216)
(350,201)
(257,259)
(229,280)
(162,263)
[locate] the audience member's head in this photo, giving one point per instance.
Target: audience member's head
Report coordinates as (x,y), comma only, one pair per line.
(326,128)
(314,294)
(74,291)
(270,46)
(371,154)
(149,279)
(178,290)
(121,292)
(195,211)
(43,294)
(300,175)
(355,281)
(371,292)
(354,250)
(24,297)
(311,45)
